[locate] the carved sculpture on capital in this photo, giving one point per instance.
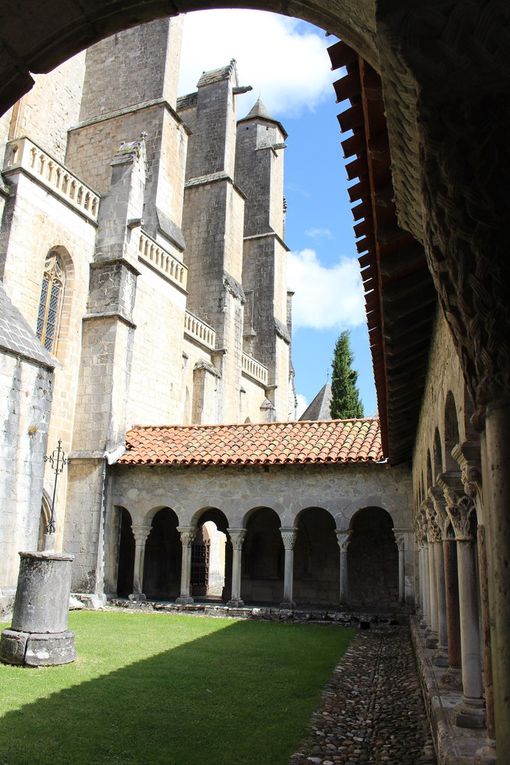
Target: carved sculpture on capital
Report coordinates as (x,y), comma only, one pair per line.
(289,537)
(187,534)
(343,537)
(400,540)
(434,532)
(420,528)
(467,456)
(237,538)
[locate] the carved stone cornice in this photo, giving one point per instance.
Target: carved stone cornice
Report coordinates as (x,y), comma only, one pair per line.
(467,455)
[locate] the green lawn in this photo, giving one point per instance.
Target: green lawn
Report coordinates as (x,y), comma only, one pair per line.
(155,689)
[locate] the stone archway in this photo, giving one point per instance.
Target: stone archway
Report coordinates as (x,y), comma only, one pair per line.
(162,566)
(263,558)
(125,568)
(372,560)
(211,556)
(316,559)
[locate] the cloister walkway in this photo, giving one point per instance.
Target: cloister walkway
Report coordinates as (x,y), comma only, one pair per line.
(372,709)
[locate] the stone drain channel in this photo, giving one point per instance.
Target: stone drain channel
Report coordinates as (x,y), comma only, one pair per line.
(371,710)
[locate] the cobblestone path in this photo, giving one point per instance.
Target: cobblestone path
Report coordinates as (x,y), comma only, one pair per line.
(372,709)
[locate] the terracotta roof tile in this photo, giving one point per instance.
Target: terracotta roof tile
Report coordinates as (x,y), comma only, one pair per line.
(319,441)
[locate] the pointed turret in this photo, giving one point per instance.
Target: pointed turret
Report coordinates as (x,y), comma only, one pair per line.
(259,112)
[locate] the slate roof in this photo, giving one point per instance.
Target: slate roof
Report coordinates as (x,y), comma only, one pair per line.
(17,336)
(320,407)
(275,443)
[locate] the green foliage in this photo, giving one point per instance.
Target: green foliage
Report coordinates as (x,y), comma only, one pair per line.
(345,399)
(168,690)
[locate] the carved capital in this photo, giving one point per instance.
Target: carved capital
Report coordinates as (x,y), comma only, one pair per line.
(343,537)
(237,538)
(400,540)
(434,532)
(450,484)
(140,532)
(459,515)
(187,535)
(420,528)
(289,536)
(467,455)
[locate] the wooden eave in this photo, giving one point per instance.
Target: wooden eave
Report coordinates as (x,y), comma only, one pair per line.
(400,299)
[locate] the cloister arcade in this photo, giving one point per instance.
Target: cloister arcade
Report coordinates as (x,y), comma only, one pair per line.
(311,562)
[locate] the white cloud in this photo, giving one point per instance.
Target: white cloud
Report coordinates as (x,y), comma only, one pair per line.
(319,233)
(302,403)
(283,59)
(325,297)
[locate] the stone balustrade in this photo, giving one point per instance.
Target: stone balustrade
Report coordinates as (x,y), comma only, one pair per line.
(163,261)
(199,330)
(23,154)
(255,369)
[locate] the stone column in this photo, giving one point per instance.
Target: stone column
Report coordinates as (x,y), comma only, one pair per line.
(289,536)
(497,447)
(442,624)
(452,602)
(426,585)
(343,537)
(38,635)
(399,539)
(140,532)
(187,536)
(432,589)
(237,538)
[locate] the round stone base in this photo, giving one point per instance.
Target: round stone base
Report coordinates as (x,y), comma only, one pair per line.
(33,649)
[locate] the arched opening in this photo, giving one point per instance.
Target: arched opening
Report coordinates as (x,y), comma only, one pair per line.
(372,559)
(126,564)
(162,566)
(263,558)
(316,559)
(451,430)
(211,557)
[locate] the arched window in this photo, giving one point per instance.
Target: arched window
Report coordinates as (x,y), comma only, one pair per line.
(50,303)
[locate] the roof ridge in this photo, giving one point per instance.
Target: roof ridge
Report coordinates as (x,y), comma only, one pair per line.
(251,424)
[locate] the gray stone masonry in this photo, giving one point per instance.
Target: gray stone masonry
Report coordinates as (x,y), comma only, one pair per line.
(38,635)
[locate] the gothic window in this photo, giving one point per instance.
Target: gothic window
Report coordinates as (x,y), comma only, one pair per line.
(50,303)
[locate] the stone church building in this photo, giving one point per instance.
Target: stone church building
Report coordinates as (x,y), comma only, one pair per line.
(145,322)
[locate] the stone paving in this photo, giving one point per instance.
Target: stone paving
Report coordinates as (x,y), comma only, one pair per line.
(371,711)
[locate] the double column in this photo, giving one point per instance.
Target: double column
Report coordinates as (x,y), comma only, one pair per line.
(140,532)
(237,538)
(187,536)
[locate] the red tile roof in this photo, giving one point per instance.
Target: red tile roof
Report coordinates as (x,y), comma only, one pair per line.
(323,441)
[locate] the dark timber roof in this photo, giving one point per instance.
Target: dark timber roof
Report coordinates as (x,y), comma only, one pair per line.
(399,294)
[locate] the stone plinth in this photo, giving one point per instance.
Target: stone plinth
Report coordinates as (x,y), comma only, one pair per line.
(38,635)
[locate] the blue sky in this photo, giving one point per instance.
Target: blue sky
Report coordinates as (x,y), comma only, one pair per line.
(287,64)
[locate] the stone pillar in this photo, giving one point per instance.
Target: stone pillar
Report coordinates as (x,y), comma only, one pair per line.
(237,538)
(442,624)
(187,536)
(289,536)
(452,602)
(426,585)
(343,537)
(486,633)
(399,539)
(497,444)
(140,532)
(471,713)
(38,635)
(433,624)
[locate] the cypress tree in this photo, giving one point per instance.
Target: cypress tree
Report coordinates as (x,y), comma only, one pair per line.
(345,399)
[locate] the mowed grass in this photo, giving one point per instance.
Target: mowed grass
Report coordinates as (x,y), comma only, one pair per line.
(155,689)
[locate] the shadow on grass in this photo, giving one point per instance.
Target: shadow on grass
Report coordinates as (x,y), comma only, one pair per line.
(241,695)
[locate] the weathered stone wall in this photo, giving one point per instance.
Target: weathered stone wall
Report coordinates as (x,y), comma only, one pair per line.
(47,111)
(444,376)
(155,390)
(138,65)
(35,222)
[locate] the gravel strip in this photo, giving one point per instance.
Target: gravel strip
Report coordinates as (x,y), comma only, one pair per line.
(371,710)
